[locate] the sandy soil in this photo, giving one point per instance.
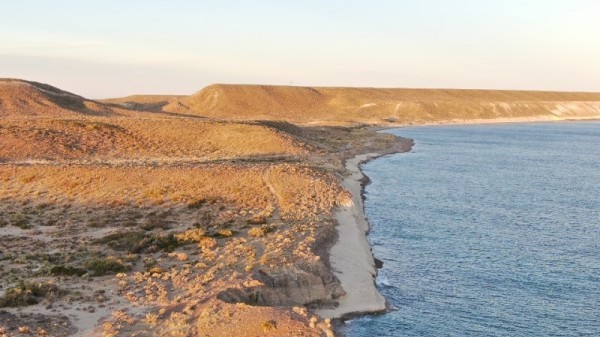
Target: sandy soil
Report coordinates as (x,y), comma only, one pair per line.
(351,259)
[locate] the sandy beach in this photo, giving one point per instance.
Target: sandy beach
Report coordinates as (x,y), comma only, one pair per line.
(351,259)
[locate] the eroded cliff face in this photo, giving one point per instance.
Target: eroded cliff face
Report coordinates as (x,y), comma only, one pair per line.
(307,284)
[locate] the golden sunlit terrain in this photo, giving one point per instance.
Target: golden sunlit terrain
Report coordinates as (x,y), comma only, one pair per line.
(139,139)
(379,106)
(156,224)
(203,215)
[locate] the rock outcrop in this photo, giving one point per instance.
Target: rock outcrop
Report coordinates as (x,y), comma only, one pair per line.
(311,285)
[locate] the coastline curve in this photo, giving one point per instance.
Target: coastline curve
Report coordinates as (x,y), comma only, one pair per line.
(351,259)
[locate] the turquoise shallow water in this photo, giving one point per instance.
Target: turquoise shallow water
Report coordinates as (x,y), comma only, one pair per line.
(488,231)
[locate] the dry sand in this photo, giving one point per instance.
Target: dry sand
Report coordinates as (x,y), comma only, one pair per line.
(351,258)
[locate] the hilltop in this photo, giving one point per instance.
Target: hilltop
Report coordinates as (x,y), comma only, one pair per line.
(330,105)
(20,98)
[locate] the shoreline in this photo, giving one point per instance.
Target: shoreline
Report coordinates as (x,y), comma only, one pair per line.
(351,258)
(383,321)
(503,120)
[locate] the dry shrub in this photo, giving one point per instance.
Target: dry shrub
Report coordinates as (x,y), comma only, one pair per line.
(257,220)
(269,325)
(260,231)
(28,293)
(207,244)
(179,256)
(225,233)
(192,235)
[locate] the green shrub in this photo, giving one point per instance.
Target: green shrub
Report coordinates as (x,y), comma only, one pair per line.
(27,293)
(152,223)
(19,220)
(67,271)
(196,204)
(122,240)
(17,297)
(153,243)
(137,242)
(105,266)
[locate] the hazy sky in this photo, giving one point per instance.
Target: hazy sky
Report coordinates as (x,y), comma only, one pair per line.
(115,48)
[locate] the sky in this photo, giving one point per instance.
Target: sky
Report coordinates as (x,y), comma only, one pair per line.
(114,48)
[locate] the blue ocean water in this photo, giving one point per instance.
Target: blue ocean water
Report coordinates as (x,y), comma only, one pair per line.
(490,230)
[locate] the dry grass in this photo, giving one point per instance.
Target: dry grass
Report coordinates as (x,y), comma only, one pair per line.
(303,193)
(299,191)
(182,209)
(141,139)
(378,106)
(211,208)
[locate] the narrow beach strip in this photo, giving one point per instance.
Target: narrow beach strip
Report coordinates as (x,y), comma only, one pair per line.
(351,258)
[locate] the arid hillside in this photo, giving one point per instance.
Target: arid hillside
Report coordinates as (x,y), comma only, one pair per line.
(141,140)
(19,98)
(164,224)
(377,106)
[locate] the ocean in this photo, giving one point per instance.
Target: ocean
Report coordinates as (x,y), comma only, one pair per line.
(487,230)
